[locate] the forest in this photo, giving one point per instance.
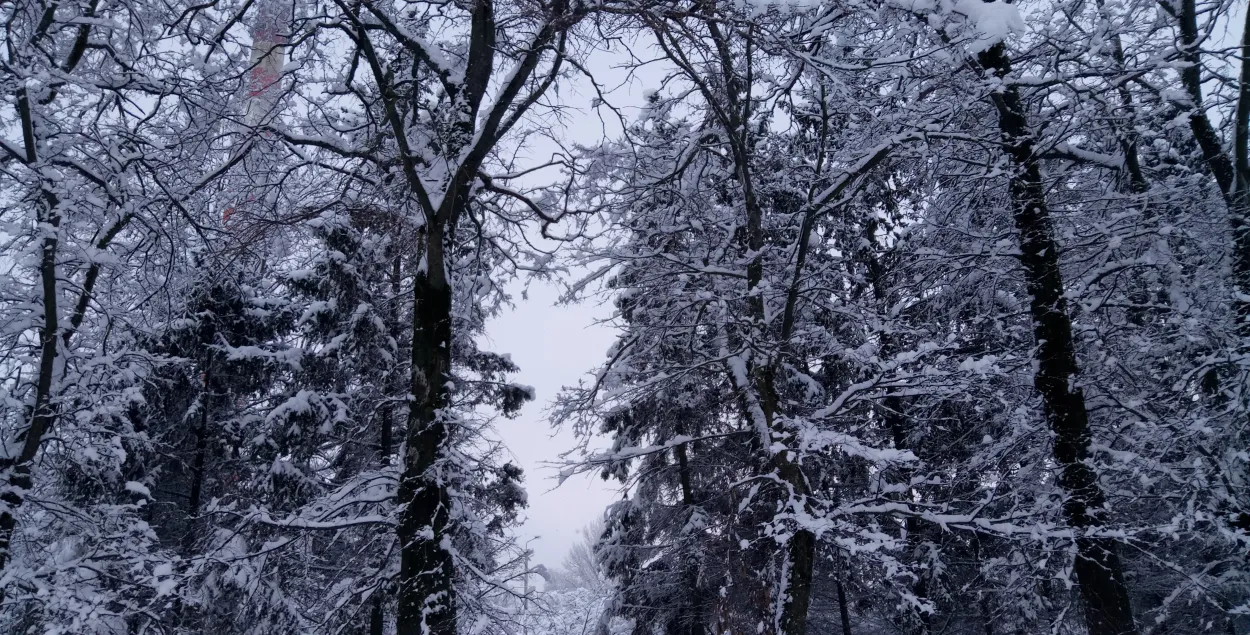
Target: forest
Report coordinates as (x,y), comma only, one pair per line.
(929,317)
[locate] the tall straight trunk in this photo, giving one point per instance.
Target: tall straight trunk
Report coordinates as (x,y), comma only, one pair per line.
(377,623)
(693,621)
(15,472)
(427,597)
(386,433)
(1127,136)
(802,557)
(1232,175)
(897,424)
(892,406)
(1099,572)
(197,464)
(801,548)
(426,603)
(1137,184)
(731,105)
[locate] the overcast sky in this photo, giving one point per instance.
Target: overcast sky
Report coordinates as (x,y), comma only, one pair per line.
(555,346)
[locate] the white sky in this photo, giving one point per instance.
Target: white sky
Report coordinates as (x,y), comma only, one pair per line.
(555,346)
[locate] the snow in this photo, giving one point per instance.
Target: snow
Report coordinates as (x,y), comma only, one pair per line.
(993,22)
(138,488)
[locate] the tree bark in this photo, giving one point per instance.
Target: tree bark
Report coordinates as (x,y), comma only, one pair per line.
(1232,173)
(426,602)
(1098,569)
(201,450)
(427,594)
(377,622)
(693,620)
(892,406)
(16,471)
(843,611)
(801,548)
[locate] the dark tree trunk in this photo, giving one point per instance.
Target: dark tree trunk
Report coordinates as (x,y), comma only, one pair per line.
(17,470)
(694,618)
(801,553)
(731,105)
(843,611)
(897,423)
(892,407)
(427,596)
(1099,572)
(386,433)
(1232,173)
(426,602)
(386,421)
(376,620)
(198,460)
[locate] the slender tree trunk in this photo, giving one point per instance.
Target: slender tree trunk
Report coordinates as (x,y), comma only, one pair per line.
(801,552)
(1232,173)
(197,465)
(1099,572)
(731,104)
(897,424)
(987,615)
(694,620)
(843,610)
(16,471)
(801,548)
(426,594)
(386,435)
(1139,290)
(892,407)
(1127,136)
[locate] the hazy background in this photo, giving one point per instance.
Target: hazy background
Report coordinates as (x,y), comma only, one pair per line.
(555,346)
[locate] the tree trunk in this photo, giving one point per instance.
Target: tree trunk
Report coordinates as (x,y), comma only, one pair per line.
(843,611)
(386,435)
(426,593)
(1232,174)
(1099,572)
(197,465)
(376,620)
(731,104)
(892,406)
(16,471)
(802,556)
(898,430)
(693,621)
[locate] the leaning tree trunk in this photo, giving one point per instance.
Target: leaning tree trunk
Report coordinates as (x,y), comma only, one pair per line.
(1232,173)
(843,612)
(15,471)
(1099,572)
